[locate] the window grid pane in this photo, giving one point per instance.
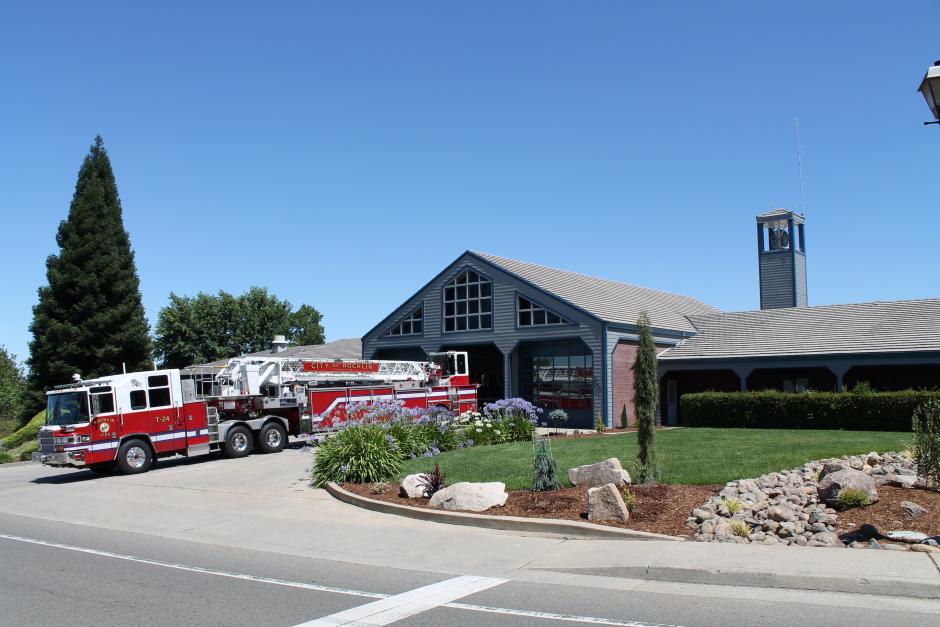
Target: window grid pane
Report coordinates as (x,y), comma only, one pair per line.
(528,314)
(468,303)
(412,325)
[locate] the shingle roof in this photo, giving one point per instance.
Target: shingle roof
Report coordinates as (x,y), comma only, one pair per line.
(882,327)
(350,348)
(608,300)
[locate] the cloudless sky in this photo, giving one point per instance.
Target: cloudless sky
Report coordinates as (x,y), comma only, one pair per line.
(342,153)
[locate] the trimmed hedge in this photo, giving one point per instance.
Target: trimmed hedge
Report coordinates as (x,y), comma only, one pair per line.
(876,411)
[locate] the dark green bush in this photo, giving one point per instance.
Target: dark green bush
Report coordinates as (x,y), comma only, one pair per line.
(926,424)
(361,454)
(872,411)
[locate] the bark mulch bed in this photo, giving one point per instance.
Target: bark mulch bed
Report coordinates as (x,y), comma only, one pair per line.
(886,515)
(659,509)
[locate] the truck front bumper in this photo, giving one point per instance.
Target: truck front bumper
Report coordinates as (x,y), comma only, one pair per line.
(74,459)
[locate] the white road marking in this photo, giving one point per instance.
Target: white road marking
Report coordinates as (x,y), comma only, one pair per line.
(335,590)
(549,615)
(197,569)
(407,604)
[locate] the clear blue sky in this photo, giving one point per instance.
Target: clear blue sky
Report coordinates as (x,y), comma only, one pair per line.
(342,153)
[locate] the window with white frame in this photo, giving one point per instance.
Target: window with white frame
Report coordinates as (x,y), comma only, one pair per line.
(468,302)
(528,314)
(412,325)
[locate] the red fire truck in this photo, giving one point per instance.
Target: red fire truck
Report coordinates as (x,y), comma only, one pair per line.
(253,403)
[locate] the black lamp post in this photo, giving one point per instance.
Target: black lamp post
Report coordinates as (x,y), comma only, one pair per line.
(930,88)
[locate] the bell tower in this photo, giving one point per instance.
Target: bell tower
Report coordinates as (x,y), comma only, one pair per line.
(781,255)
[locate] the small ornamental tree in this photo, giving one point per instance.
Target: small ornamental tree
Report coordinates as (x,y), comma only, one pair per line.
(546,470)
(927,441)
(646,395)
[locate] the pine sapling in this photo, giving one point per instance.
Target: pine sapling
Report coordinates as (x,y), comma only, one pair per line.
(546,470)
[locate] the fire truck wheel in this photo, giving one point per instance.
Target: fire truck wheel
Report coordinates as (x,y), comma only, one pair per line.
(237,442)
(272,438)
(134,456)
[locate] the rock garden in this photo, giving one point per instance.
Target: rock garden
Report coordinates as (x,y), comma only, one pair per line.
(495,463)
(862,501)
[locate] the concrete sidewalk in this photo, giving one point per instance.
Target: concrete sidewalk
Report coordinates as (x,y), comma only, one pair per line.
(264,502)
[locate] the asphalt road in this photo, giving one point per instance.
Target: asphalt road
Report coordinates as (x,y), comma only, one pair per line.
(99,572)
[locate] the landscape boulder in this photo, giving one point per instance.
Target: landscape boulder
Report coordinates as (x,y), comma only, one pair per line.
(833,484)
(913,510)
(599,474)
(472,497)
(606,503)
(412,487)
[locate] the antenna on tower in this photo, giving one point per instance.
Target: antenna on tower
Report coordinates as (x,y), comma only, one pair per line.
(799,160)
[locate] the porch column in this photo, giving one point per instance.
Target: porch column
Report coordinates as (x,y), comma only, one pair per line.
(839,371)
(743,374)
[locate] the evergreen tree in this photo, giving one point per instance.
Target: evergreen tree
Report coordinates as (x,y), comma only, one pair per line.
(90,318)
(645,399)
(546,470)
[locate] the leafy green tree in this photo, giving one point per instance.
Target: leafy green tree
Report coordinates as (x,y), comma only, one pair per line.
(306,327)
(196,330)
(645,399)
(89,318)
(12,392)
(207,328)
(261,316)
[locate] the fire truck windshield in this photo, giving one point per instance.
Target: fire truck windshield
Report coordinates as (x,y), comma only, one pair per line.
(67,408)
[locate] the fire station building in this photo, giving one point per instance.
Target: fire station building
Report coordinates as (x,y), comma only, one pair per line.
(563,339)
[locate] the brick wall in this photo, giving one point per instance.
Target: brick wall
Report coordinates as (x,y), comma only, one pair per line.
(621,363)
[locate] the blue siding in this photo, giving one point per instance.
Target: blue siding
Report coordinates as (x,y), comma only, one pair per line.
(505,334)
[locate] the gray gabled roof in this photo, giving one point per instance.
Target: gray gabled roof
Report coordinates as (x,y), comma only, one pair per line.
(878,327)
(611,301)
(350,348)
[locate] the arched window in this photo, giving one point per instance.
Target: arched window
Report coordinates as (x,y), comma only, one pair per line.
(412,325)
(468,302)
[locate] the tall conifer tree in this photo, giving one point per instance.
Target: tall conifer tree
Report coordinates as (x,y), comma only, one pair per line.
(90,318)
(645,399)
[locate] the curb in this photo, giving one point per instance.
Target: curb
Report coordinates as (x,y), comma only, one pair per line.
(859,584)
(548,526)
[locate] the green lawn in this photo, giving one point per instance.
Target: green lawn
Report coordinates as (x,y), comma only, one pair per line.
(692,455)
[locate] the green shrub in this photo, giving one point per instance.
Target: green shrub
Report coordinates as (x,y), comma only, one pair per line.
(733,506)
(740,528)
(874,411)
(629,498)
(29,431)
(360,454)
(439,435)
(409,438)
(545,470)
(517,428)
(852,497)
(926,449)
(5,458)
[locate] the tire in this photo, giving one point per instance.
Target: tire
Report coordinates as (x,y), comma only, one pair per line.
(134,456)
(237,442)
(271,438)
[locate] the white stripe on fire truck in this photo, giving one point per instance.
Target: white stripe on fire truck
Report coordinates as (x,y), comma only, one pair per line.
(155,437)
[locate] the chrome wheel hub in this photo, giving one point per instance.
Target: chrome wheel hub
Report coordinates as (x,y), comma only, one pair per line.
(239,442)
(136,457)
(273,438)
